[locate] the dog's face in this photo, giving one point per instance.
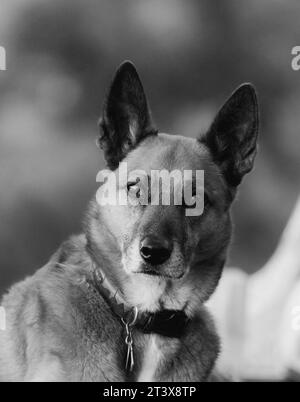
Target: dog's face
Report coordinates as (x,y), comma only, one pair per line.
(161,242)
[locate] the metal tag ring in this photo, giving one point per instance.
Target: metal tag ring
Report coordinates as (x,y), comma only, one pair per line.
(129,323)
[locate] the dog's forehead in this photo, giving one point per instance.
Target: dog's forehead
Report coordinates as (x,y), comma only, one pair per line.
(165,151)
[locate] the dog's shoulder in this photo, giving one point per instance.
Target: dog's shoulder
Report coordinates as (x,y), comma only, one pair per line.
(204,340)
(72,251)
(53,312)
(63,269)
(57,286)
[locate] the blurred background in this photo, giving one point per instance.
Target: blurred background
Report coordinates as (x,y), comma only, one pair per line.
(191,55)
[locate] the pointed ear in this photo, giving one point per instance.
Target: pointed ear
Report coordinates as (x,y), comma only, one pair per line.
(232,137)
(126,118)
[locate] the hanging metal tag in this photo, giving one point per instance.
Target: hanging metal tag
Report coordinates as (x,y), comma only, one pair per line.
(129,340)
(129,357)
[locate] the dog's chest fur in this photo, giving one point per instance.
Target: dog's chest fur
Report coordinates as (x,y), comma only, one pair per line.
(151,359)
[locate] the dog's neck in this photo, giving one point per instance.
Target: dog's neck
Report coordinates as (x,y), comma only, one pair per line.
(137,290)
(147,293)
(169,323)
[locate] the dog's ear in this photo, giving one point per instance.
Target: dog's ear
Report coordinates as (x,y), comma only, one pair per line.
(232,137)
(126,118)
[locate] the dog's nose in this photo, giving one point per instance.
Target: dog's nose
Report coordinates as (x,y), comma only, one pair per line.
(155,251)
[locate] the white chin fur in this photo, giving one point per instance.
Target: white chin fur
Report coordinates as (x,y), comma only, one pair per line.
(148,292)
(144,291)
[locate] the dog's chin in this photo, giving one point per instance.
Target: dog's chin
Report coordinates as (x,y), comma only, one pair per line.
(161,273)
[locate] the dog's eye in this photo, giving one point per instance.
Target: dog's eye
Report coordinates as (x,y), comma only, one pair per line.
(132,186)
(192,202)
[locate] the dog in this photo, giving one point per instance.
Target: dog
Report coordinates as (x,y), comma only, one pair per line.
(124,301)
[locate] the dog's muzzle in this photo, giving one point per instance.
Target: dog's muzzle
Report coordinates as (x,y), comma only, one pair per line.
(155,250)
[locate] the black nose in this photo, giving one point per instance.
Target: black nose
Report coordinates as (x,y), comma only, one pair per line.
(155,251)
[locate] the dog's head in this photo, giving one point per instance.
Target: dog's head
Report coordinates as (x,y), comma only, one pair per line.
(162,242)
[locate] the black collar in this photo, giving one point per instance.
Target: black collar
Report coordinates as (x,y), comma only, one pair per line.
(168,323)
